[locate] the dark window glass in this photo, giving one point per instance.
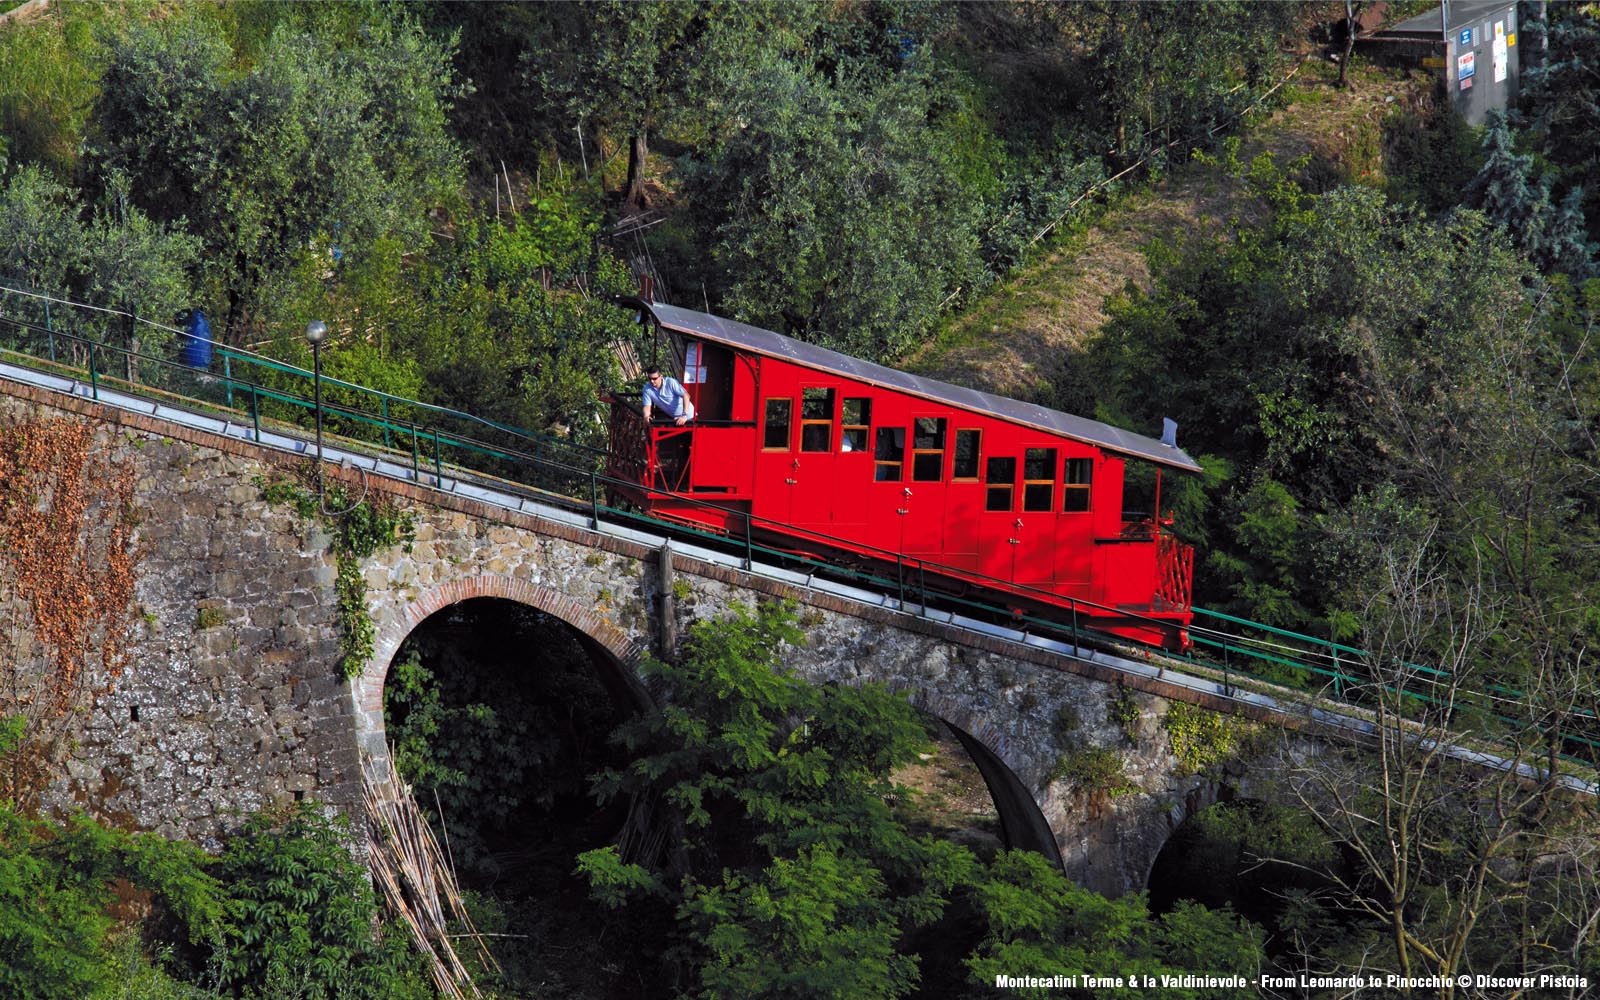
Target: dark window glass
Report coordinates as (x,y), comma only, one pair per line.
(1038,478)
(776,436)
(816,419)
(927,449)
(889,454)
(966,462)
(1078,476)
(1001,476)
(853,432)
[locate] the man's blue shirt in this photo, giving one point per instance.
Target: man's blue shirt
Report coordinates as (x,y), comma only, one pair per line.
(668,397)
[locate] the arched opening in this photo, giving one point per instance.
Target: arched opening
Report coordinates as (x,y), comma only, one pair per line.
(498,715)
(950,797)
(1271,863)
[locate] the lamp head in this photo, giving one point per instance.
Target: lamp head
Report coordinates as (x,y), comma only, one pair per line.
(315,331)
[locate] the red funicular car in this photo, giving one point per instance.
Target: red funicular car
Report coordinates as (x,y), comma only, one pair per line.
(836,455)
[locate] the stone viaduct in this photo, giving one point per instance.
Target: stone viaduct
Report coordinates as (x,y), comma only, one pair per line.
(230,697)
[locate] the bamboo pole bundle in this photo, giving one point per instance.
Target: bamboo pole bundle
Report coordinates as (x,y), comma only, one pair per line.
(417,882)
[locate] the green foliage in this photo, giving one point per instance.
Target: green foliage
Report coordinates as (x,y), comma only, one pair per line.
(359,529)
(316,144)
(12,728)
(834,214)
(1506,191)
(47,82)
(1124,711)
(1200,739)
(799,872)
(494,713)
(56,883)
(302,915)
(1040,924)
(796,876)
(119,257)
(1563,94)
(1094,769)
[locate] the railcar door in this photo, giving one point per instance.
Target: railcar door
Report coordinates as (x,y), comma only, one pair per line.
(812,504)
(775,477)
(963,500)
(1075,526)
(1036,532)
(999,525)
(852,466)
(924,497)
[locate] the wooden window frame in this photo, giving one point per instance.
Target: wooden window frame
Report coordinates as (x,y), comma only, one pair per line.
(991,485)
(826,423)
(943,431)
(880,464)
(977,455)
(864,428)
(1074,492)
(788,423)
(1032,487)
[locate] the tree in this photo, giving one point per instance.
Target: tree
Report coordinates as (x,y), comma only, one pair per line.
(315,146)
(789,872)
(1038,923)
(1563,93)
(833,213)
(1460,867)
(1506,190)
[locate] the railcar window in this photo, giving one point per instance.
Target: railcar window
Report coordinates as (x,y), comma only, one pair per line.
(889,454)
(1078,476)
(857,415)
(776,435)
(927,449)
(1038,478)
(1001,476)
(966,461)
(816,419)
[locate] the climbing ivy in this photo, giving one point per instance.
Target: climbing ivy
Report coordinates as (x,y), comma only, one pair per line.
(1200,739)
(1124,711)
(359,529)
(1094,769)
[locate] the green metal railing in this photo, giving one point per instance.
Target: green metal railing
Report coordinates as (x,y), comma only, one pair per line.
(52,334)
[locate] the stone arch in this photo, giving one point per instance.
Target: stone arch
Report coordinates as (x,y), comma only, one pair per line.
(393,623)
(1194,801)
(1022,821)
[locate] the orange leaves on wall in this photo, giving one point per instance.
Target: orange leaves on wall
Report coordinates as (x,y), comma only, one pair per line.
(66,561)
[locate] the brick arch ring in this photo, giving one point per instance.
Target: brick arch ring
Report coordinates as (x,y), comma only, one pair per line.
(395,621)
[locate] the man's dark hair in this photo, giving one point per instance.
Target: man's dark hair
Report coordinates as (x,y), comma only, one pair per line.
(652,370)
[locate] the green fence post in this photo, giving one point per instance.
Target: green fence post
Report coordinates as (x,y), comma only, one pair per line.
(385,422)
(255,413)
(438,462)
(416,456)
(50,330)
(227,379)
(749,551)
(594,501)
(1075,650)
(94,376)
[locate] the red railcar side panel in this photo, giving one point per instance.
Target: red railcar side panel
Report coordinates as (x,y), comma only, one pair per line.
(884,474)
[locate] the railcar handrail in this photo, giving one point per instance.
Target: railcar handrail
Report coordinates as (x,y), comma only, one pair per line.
(570,466)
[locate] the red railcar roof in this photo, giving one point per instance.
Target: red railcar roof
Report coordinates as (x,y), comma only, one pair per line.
(765,342)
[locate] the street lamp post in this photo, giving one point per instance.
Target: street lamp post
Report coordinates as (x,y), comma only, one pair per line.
(316,330)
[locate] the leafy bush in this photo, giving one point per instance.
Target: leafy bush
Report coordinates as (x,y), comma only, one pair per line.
(302,915)
(56,882)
